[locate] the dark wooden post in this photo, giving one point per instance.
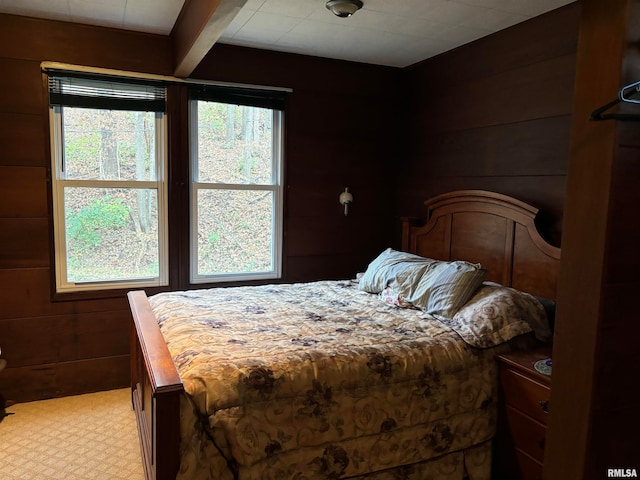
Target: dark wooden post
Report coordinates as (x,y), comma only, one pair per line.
(595,404)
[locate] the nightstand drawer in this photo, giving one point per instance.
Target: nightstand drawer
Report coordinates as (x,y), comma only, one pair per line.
(525,394)
(527,434)
(529,468)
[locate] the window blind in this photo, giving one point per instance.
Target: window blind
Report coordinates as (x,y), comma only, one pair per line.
(273,99)
(109,93)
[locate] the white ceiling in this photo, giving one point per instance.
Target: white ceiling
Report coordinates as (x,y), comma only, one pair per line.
(384,32)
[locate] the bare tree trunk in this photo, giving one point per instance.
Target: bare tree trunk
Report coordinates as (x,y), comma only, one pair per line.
(231,126)
(248,134)
(257,120)
(143,197)
(108,148)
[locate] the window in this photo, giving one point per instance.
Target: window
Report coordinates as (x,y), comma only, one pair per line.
(236,187)
(108,182)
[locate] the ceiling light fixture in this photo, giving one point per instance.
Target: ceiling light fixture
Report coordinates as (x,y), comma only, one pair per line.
(344,8)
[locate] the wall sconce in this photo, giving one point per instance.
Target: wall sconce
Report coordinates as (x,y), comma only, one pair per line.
(345,199)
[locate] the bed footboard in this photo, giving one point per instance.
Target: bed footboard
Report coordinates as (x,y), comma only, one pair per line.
(155,393)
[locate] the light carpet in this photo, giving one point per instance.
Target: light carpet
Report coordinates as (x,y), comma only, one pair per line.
(84,437)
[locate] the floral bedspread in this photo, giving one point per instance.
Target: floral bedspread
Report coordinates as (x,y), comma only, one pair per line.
(320,381)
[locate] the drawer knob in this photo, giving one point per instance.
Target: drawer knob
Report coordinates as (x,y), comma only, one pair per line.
(541,443)
(544,405)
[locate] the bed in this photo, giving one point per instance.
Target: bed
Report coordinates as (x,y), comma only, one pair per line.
(328,380)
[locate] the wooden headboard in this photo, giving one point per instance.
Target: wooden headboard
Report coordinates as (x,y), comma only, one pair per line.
(489,228)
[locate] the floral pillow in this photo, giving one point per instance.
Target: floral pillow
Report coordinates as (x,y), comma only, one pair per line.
(495,315)
(390,296)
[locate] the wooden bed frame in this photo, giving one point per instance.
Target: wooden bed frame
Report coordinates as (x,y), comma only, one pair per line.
(478,226)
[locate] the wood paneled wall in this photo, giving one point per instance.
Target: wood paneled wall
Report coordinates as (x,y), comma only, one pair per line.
(341,127)
(495,115)
(65,347)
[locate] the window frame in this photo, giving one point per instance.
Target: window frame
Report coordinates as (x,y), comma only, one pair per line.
(276,186)
(59,183)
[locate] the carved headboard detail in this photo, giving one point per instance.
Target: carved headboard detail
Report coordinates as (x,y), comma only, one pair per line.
(488,228)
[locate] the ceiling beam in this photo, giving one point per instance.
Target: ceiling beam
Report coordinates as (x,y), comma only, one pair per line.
(198,27)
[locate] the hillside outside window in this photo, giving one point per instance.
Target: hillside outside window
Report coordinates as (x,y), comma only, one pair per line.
(236,186)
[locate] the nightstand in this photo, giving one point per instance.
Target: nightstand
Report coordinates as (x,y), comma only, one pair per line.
(524,408)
